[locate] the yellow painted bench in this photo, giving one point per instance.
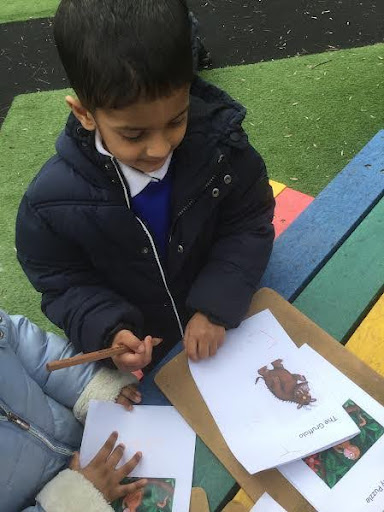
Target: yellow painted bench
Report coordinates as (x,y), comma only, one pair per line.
(276,187)
(367,342)
(240,503)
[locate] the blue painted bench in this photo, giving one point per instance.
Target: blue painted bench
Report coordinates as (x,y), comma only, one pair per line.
(311,240)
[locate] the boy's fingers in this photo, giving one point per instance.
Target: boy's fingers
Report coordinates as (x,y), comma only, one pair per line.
(203,349)
(135,345)
(221,339)
(191,348)
(213,348)
(131,360)
(104,452)
(116,456)
(127,339)
(137,361)
(148,349)
(133,487)
(129,466)
(186,337)
(75,462)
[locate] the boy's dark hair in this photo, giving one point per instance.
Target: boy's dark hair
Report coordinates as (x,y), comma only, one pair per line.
(117,51)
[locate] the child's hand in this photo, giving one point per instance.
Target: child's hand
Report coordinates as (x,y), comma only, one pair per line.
(140,352)
(128,396)
(102,472)
(202,338)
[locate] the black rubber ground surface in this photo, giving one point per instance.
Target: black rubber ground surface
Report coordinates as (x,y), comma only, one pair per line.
(235,31)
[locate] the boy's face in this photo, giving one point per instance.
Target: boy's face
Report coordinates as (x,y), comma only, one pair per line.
(143,134)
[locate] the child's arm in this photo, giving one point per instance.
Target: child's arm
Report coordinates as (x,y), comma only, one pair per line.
(72,387)
(74,296)
(224,288)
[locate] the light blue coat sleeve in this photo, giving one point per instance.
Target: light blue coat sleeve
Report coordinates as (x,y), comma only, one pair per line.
(35,508)
(35,348)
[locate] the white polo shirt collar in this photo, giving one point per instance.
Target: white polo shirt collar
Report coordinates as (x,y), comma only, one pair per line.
(137,180)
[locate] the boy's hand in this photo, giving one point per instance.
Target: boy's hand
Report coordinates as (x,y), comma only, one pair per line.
(202,338)
(129,396)
(102,472)
(140,352)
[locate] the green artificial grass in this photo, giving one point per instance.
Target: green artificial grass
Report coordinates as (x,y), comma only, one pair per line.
(26,141)
(17,10)
(308,116)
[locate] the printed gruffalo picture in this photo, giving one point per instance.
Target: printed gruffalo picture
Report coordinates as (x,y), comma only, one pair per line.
(333,464)
(156,496)
(286,386)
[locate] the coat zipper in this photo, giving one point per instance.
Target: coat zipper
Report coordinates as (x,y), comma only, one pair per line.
(149,236)
(27,427)
(188,205)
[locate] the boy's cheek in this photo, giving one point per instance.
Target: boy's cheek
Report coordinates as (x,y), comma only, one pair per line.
(180,136)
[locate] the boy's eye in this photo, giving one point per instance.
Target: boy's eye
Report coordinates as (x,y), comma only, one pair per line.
(141,135)
(133,138)
(179,121)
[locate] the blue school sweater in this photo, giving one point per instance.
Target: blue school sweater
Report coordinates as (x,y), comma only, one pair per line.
(150,197)
(153,206)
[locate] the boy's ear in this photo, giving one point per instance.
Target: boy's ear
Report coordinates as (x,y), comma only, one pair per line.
(83,115)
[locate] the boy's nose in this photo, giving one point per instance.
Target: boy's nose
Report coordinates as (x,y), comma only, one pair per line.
(159,147)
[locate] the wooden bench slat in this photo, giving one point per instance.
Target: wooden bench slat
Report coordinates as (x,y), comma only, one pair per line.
(341,293)
(367,342)
(303,249)
(277,187)
(289,205)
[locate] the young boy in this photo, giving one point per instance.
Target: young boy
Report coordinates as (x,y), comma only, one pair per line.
(39,433)
(155,215)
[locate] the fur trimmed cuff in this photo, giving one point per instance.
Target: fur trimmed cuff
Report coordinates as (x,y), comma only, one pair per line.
(105,385)
(69,491)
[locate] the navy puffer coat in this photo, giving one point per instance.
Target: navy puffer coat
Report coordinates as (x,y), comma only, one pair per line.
(96,264)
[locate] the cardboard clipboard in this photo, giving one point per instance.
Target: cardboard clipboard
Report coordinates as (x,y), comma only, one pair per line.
(199,500)
(176,382)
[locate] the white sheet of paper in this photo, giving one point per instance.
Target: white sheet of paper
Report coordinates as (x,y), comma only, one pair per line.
(159,432)
(267,504)
(362,487)
(262,431)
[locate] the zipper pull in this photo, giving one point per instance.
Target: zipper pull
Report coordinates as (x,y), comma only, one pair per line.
(18,421)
